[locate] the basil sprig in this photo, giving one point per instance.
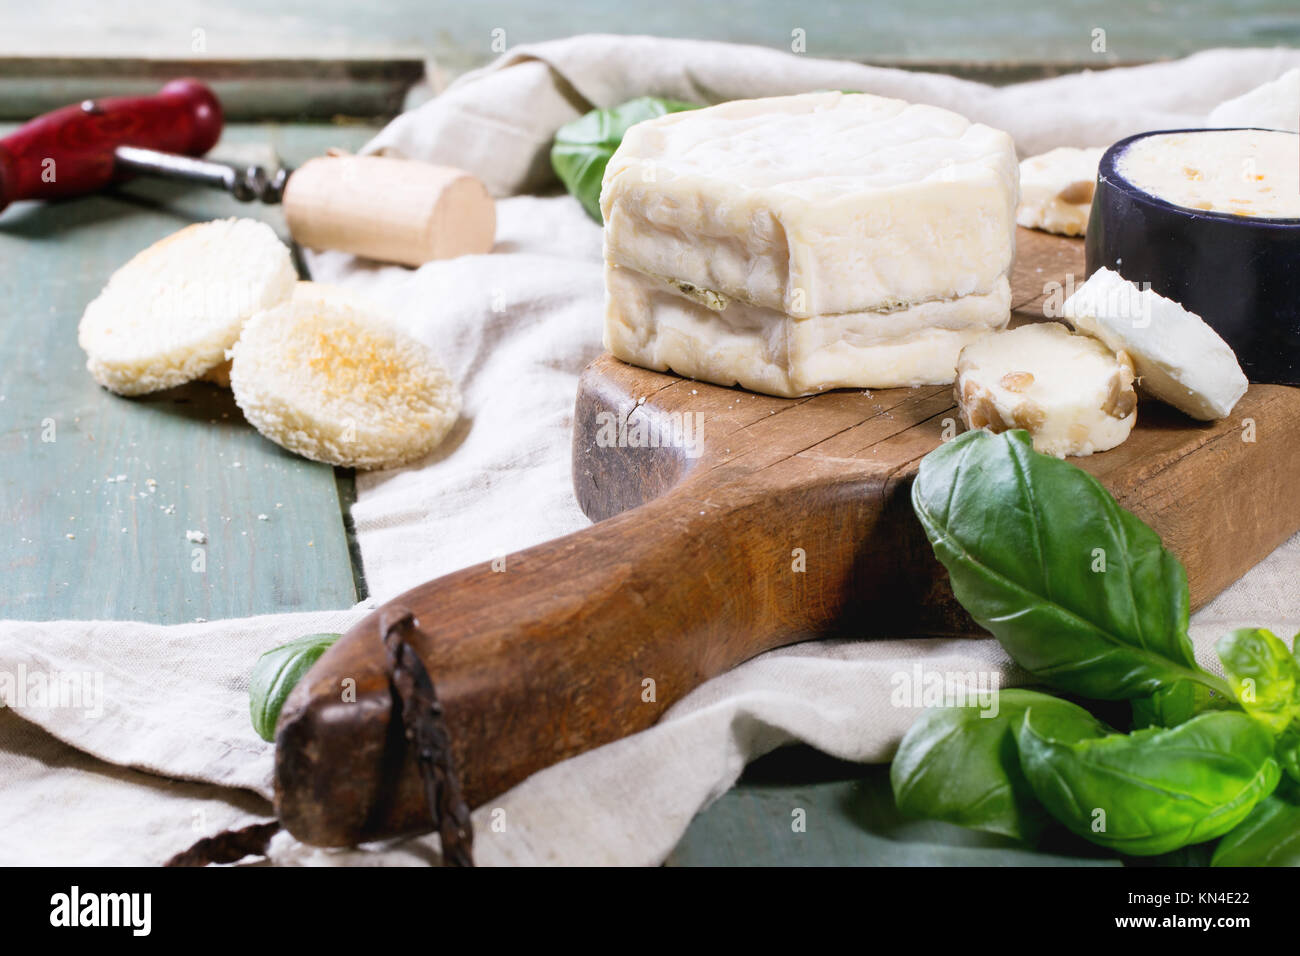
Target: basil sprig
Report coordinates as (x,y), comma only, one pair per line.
(1083,595)
(582,148)
(275,674)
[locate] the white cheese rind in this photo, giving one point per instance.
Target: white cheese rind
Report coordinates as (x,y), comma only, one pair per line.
(1274,105)
(652,322)
(815,204)
(1179,359)
(1056,190)
(1070,392)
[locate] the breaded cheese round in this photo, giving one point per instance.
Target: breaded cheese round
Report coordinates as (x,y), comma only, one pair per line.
(303,291)
(168,316)
(1073,394)
(337,384)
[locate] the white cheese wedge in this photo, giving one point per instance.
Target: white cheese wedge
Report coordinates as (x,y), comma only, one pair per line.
(1070,392)
(1056,190)
(816,204)
(1245,172)
(659,324)
(1275,105)
(1178,358)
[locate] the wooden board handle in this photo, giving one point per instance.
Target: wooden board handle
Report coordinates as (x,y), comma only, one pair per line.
(581,641)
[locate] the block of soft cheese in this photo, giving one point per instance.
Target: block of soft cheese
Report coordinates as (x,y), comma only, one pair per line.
(1211,220)
(1178,358)
(816,204)
(1056,190)
(1275,105)
(1073,394)
(660,324)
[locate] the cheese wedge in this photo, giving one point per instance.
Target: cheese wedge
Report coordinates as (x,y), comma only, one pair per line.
(1056,190)
(1070,392)
(1178,358)
(817,204)
(658,324)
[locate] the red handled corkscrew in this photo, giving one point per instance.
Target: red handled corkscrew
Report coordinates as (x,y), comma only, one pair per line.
(74,150)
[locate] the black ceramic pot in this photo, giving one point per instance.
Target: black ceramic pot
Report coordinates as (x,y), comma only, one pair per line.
(1240,274)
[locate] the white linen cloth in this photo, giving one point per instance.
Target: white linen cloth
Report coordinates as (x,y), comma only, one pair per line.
(171,755)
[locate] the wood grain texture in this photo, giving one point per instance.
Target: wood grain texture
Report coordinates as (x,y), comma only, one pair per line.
(79,542)
(692,568)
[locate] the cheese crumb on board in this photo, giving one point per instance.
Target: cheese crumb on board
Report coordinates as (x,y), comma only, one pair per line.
(1056,190)
(1178,358)
(1070,392)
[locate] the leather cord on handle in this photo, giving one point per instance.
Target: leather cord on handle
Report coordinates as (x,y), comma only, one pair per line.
(425,728)
(228,846)
(422,723)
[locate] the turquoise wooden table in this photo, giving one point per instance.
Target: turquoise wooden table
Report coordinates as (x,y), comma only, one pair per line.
(98,492)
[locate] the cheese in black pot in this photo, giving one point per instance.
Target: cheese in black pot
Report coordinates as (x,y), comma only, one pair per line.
(1211,220)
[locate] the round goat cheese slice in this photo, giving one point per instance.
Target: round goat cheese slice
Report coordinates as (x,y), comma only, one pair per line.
(1070,392)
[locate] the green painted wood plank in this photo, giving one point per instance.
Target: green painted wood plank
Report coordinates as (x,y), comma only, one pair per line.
(296,90)
(460,35)
(848,818)
(79,542)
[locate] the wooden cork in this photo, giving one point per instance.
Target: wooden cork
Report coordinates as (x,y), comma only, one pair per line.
(390,210)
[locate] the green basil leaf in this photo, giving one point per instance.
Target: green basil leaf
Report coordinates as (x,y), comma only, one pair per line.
(1178,703)
(1288,752)
(1263,675)
(1170,706)
(1078,590)
(1151,791)
(582,148)
(275,674)
(961,765)
(1270,836)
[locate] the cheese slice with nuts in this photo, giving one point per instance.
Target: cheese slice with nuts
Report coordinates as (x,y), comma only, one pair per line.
(1070,392)
(1056,190)
(1179,359)
(778,242)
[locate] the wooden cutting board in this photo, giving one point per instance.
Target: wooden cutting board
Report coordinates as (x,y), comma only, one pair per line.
(1221,495)
(788,520)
